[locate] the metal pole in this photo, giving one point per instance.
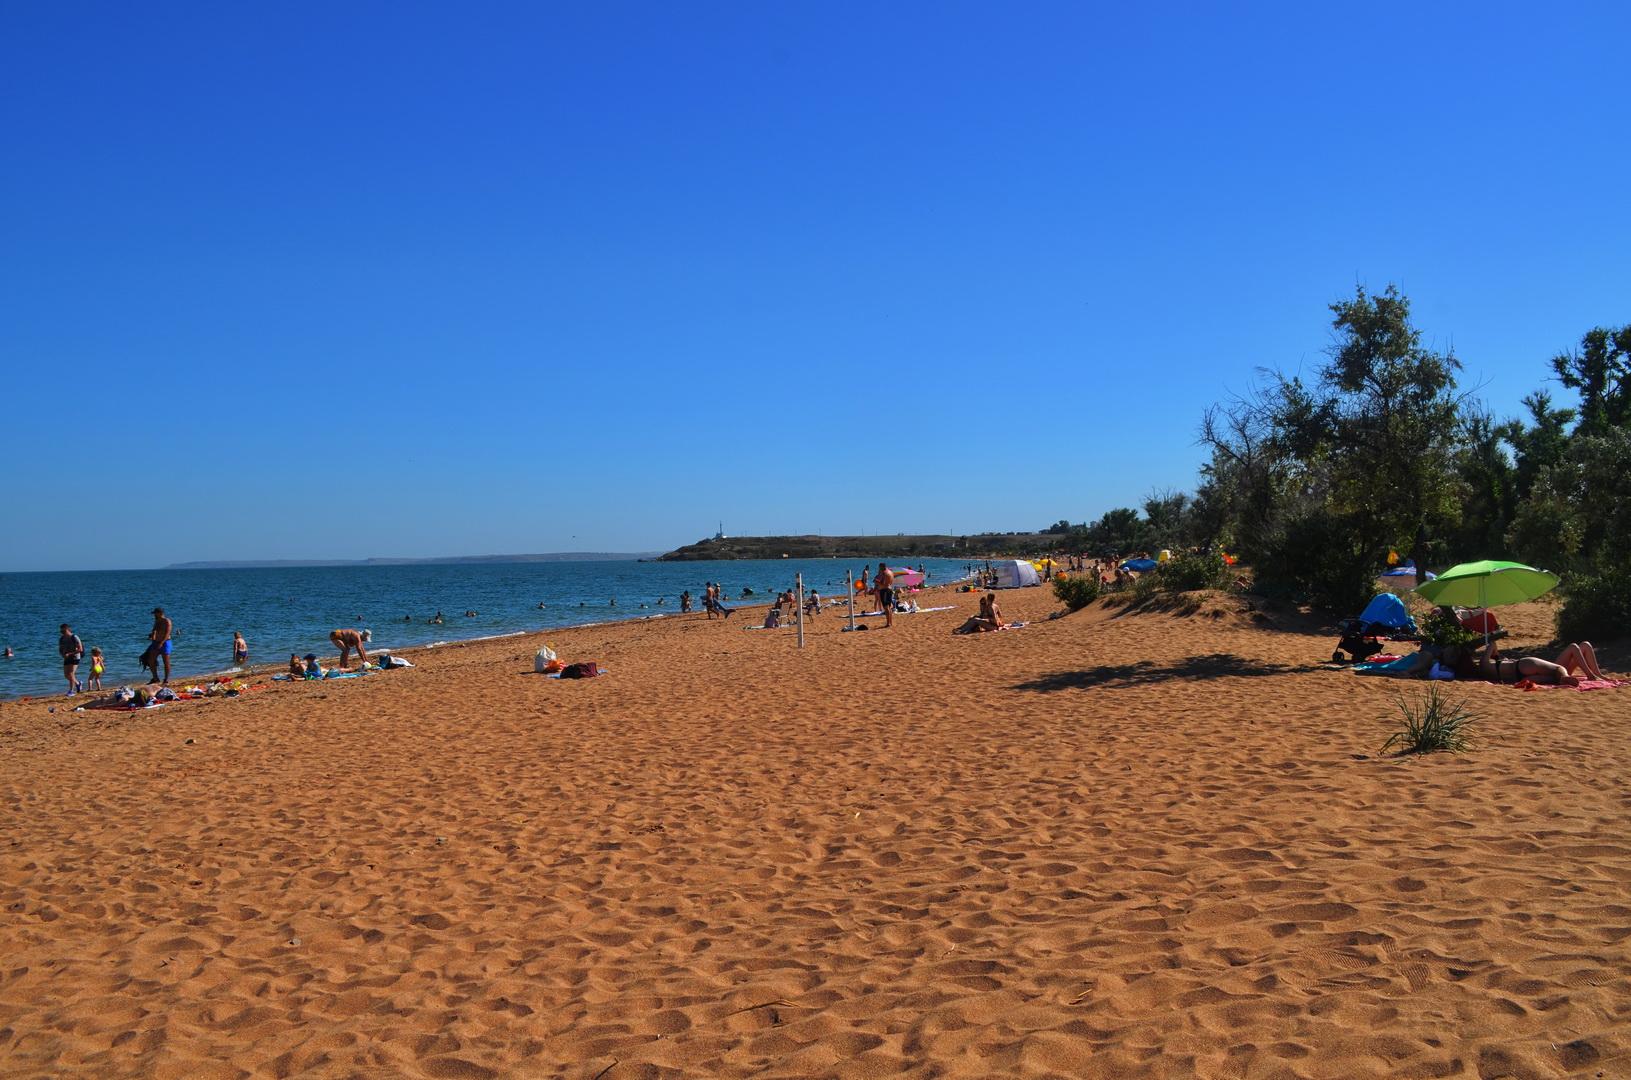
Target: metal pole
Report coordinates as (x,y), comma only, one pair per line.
(849,587)
(798,600)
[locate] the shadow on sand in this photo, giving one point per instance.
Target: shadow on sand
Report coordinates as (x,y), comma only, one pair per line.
(1214,666)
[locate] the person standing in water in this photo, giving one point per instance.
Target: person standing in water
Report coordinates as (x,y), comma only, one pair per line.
(240,649)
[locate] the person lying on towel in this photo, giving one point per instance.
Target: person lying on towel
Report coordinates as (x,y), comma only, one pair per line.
(1574,657)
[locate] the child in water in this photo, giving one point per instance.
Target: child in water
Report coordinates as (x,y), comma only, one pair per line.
(95,681)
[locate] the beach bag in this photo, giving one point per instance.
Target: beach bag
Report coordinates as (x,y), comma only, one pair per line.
(588,669)
(545,657)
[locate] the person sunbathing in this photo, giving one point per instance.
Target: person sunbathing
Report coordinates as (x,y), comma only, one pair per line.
(989,618)
(1574,657)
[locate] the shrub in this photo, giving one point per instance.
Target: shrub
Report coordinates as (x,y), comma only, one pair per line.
(1431,723)
(1445,630)
(1596,605)
(1193,572)
(1325,559)
(1076,590)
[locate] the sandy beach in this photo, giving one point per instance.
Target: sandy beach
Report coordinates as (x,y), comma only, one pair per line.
(1105,844)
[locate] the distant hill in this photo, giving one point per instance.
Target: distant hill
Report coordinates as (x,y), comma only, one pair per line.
(863,547)
(451,560)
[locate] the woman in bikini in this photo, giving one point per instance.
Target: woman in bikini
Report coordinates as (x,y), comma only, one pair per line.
(1575,657)
(989,618)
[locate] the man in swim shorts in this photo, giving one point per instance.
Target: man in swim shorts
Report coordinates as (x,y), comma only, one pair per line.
(883,583)
(160,637)
(71,649)
(346,640)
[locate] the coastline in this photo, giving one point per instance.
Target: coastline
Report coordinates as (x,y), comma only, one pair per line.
(1108,843)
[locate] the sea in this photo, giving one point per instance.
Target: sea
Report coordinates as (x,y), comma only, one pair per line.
(283,610)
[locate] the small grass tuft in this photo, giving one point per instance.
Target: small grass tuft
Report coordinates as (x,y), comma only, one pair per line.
(1431,723)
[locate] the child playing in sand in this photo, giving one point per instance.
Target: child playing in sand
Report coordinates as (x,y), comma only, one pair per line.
(313,669)
(297,670)
(95,680)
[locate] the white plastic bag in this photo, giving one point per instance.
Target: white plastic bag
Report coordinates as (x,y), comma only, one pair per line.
(540,663)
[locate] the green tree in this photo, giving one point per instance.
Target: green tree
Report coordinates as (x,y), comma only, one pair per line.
(1386,418)
(1320,478)
(1600,371)
(1540,444)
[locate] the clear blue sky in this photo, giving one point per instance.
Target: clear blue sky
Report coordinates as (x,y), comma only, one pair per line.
(409,279)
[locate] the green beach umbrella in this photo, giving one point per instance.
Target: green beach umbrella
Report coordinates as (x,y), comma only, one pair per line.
(1487,583)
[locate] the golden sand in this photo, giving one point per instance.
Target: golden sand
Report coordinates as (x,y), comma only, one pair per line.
(1107,845)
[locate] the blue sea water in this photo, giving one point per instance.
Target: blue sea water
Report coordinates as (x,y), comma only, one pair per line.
(292,609)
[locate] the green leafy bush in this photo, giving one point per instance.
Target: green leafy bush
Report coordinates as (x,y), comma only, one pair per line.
(1431,723)
(1596,605)
(1326,559)
(1445,630)
(1076,590)
(1192,572)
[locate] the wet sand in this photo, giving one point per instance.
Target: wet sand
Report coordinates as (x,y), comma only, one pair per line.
(1103,845)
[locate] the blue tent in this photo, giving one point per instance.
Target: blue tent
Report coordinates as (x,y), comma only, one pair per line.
(1140,565)
(1386,610)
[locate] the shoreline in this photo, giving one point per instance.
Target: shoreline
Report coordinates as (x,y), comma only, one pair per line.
(268,669)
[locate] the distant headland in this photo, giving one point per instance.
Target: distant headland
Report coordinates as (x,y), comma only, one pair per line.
(451,560)
(862,547)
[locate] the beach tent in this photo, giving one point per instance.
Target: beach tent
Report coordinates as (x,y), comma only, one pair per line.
(1142,566)
(1013,573)
(1386,610)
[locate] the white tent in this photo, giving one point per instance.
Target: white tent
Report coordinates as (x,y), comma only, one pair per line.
(1012,573)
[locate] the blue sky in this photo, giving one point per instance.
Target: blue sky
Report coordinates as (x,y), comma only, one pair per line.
(351,280)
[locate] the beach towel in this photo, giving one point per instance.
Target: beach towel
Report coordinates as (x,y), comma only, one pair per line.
(1392,667)
(919,611)
(1585,684)
(560,674)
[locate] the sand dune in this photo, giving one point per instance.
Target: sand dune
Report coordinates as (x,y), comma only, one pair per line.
(1103,845)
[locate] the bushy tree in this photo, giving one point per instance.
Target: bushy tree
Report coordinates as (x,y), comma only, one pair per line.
(1363,457)
(1600,370)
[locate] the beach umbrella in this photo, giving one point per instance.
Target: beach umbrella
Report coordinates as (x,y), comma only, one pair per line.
(1487,583)
(906,577)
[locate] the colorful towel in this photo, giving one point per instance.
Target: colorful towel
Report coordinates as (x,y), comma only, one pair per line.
(1585,684)
(1392,667)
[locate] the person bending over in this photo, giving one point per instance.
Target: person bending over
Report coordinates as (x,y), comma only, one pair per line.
(346,640)
(1575,657)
